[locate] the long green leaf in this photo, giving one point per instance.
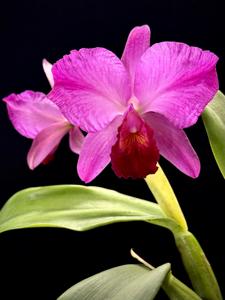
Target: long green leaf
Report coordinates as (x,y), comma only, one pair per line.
(214,121)
(75,207)
(130,282)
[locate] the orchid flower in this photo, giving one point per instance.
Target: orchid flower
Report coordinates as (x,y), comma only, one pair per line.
(135,109)
(36,117)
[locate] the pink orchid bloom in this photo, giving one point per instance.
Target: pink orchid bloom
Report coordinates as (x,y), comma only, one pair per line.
(136,108)
(36,117)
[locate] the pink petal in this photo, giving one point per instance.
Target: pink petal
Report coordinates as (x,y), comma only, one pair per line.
(76,139)
(48,71)
(177,81)
(137,43)
(31,112)
(96,149)
(46,143)
(91,87)
(135,154)
(174,145)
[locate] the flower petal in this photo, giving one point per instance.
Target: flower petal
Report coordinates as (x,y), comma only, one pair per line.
(91,87)
(137,43)
(135,154)
(48,71)
(96,149)
(177,81)
(46,143)
(174,145)
(30,112)
(76,139)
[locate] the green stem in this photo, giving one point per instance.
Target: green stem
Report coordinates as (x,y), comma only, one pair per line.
(194,259)
(197,266)
(176,290)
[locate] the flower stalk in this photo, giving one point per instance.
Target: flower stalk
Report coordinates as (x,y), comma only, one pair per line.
(165,197)
(195,262)
(197,266)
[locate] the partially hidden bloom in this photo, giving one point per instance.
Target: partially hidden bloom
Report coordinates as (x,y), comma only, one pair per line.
(36,117)
(135,109)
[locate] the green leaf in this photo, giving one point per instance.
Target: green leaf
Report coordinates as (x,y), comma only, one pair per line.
(130,282)
(214,121)
(76,207)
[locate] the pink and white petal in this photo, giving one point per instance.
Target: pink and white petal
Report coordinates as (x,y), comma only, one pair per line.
(96,150)
(47,67)
(76,139)
(30,112)
(137,43)
(92,87)
(177,81)
(174,144)
(46,143)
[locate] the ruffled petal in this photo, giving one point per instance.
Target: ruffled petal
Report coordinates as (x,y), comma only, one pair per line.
(176,81)
(137,43)
(76,139)
(30,112)
(47,67)
(96,149)
(174,145)
(92,87)
(135,154)
(46,143)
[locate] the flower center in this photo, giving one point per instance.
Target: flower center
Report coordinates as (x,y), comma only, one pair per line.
(135,103)
(135,153)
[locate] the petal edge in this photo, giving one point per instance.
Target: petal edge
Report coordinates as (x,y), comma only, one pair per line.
(174,145)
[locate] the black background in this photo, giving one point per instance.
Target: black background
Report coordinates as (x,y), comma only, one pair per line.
(42,263)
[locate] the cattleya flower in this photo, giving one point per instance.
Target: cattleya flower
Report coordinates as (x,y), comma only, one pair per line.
(135,109)
(34,116)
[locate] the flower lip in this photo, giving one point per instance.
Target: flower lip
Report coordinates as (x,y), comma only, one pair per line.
(135,153)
